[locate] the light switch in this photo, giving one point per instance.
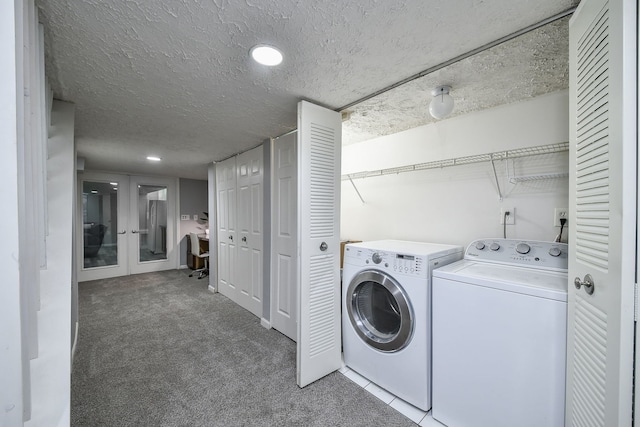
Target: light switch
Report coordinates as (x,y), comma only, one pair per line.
(195,217)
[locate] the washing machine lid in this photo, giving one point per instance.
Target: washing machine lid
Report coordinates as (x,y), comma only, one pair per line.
(527,281)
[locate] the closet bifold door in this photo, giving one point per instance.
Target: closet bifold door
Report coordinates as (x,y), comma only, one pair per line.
(250,170)
(239,183)
(226,224)
(319,333)
(602,213)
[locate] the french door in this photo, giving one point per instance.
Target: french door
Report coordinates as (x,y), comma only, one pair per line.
(127,227)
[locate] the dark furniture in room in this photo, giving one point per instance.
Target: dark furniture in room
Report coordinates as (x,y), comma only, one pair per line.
(93,236)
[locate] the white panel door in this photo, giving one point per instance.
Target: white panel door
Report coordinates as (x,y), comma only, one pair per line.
(226,224)
(249,172)
(319,149)
(284,243)
(602,214)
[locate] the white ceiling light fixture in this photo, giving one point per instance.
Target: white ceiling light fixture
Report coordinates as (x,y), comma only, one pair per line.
(266,55)
(442,103)
(154,158)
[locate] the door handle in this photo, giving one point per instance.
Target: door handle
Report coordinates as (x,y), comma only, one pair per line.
(122,232)
(323,246)
(231,238)
(589,285)
(134,231)
(244,238)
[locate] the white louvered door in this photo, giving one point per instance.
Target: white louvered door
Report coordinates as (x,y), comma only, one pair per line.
(602,214)
(319,149)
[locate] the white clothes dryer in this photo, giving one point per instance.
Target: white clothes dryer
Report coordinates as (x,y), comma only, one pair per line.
(386,313)
(499,335)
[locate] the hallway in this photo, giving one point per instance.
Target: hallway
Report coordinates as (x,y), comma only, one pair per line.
(158,349)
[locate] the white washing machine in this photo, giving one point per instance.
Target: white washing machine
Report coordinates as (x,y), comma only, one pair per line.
(499,335)
(386,318)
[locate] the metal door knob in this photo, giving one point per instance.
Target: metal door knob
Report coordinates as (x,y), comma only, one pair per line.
(589,285)
(323,246)
(244,238)
(122,232)
(231,238)
(134,231)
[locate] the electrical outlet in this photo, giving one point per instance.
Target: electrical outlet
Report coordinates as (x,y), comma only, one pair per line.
(184,217)
(560,213)
(511,218)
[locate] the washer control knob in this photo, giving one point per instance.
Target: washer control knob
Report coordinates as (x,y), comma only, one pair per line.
(494,246)
(480,246)
(523,248)
(555,251)
(376,258)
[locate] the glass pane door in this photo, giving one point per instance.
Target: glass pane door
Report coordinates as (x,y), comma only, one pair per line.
(152,238)
(100,223)
(102,242)
(152,222)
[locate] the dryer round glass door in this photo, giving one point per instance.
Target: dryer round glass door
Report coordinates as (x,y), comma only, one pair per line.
(380,311)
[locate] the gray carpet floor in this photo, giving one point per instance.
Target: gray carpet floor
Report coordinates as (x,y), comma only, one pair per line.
(159,349)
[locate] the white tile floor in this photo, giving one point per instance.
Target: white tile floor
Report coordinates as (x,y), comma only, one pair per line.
(416,415)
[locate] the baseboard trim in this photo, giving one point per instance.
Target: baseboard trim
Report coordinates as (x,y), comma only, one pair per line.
(265,323)
(212,289)
(75,344)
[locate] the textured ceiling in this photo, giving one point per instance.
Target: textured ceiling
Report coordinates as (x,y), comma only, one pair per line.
(173,78)
(530,65)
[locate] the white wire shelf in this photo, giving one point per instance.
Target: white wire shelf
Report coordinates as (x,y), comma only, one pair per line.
(500,155)
(538,177)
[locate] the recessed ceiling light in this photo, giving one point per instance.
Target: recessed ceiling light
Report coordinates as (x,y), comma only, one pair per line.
(154,158)
(113,183)
(94,191)
(266,55)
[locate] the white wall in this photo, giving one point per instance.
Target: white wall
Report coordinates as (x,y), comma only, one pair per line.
(11,360)
(51,371)
(459,204)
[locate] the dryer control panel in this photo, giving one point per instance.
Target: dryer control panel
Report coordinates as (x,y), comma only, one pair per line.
(525,253)
(413,265)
